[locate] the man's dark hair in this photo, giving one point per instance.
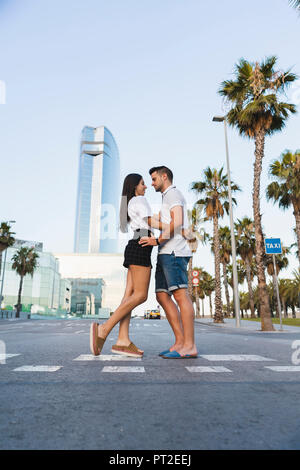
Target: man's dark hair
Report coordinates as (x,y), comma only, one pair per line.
(161,170)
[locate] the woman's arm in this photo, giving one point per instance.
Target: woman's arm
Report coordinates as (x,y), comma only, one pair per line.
(154,222)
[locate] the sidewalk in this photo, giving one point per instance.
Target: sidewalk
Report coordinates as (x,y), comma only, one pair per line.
(246,325)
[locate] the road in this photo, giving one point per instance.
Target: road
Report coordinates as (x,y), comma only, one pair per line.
(230,397)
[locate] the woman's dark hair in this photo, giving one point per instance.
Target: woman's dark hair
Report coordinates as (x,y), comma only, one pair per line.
(130,183)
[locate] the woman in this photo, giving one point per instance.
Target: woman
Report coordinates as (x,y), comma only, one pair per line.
(137,259)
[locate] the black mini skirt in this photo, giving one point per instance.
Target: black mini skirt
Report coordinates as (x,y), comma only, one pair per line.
(137,254)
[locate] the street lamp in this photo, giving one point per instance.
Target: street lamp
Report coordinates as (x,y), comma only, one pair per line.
(4,262)
(233,247)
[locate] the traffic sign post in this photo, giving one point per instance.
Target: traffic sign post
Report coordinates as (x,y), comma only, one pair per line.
(273,247)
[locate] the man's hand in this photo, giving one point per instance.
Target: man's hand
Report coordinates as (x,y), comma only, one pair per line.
(148,241)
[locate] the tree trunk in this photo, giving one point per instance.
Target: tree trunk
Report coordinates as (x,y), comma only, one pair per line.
(297,217)
(218,317)
(197,303)
(265,314)
(210,306)
(202,302)
(19,297)
(284,307)
(225,282)
(248,275)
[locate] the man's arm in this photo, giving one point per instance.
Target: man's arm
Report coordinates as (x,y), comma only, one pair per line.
(172,229)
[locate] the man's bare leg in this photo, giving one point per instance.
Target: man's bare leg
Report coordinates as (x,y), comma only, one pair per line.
(187,317)
(173,317)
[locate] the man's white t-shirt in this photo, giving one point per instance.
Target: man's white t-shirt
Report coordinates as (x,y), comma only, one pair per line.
(172,197)
(138,210)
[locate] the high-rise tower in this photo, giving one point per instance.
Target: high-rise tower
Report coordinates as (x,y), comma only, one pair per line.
(98,193)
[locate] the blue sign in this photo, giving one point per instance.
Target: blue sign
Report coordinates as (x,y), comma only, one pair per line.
(273,246)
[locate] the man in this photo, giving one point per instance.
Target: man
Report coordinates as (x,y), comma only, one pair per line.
(171,270)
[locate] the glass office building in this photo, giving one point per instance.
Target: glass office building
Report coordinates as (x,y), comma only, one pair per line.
(86,296)
(45,292)
(98,193)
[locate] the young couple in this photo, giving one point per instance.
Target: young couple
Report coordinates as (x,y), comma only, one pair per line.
(171,269)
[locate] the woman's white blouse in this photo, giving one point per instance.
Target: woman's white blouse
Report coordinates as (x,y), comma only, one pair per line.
(138,210)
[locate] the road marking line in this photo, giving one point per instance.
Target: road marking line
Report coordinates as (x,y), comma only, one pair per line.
(80,331)
(3,357)
(37,368)
(236,357)
(122,369)
(207,369)
(284,368)
(109,357)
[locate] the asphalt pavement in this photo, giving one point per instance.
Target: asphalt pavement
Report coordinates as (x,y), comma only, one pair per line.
(241,392)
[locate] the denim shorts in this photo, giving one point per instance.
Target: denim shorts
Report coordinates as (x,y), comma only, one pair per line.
(171,273)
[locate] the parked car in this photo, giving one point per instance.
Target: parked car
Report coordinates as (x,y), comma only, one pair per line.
(152,314)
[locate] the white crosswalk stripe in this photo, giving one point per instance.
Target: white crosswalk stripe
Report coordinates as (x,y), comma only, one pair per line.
(204,369)
(235,357)
(37,368)
(114,369)
(284,368)
(4,356)
(102,357)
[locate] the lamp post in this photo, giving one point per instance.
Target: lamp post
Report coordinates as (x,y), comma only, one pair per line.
(4,262)
(233,246)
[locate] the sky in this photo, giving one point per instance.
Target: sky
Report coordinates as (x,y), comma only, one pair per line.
(149,71)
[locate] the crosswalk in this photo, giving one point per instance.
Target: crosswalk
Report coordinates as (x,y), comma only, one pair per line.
(193,369)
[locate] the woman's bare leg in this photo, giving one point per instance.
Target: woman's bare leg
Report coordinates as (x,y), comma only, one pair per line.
(140,276)
(123,338)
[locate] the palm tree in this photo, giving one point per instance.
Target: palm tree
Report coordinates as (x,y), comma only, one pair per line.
(246,250)
(286,190)
(24,262)
(295,4)
(256,111)
(6,239)
(214,188)
(196,233)
(283,286)
(293,291)
(225,253)
(208,284)
(244,302)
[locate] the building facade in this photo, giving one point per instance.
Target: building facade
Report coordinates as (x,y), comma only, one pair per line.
(98,193)
(45,292)
(100,266)
(86,296)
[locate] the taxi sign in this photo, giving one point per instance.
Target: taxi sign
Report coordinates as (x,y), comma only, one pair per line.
(273,246)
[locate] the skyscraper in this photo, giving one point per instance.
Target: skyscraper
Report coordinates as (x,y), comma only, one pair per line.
(98,193)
